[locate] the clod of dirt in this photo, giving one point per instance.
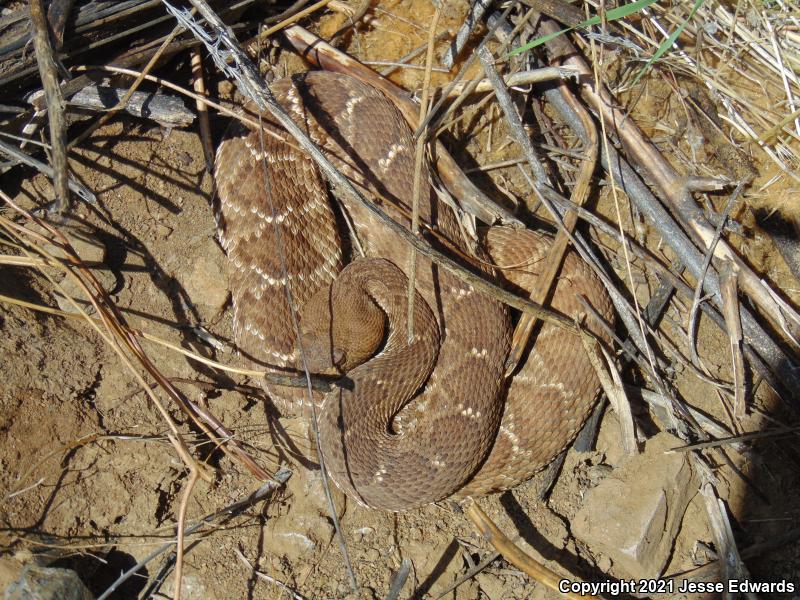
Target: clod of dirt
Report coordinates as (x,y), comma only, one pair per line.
(206,283)
(636,530)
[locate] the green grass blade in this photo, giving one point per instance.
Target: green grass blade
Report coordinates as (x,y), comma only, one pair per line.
(619,12)
(667,43)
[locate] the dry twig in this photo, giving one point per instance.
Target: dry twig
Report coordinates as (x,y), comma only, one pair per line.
(513,554)
(55,103)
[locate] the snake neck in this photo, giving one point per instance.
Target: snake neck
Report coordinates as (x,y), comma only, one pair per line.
(364,286)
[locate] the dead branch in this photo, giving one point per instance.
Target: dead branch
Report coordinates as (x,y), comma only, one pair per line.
(55,103)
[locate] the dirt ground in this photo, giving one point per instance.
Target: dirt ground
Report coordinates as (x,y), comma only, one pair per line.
(90,480)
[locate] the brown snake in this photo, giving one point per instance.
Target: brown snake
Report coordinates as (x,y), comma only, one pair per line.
(427,418)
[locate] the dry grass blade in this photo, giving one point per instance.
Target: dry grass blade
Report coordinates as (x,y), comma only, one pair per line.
(706,264)
(476,12)
(614,390)
(320,384)
(731,565)
(403,60)
(399,580)
(16,154)
(772,362)
(469,574)
(555,254)
(420,178)
(730,309)
(263,576)
(195,474)
(134,86)
(202,109)
(113,328)
(519,78)
(672,188)
(263,36)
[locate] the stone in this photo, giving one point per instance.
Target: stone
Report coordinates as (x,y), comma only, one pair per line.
(633,516)
(206,281)
(42,583)
(192,587)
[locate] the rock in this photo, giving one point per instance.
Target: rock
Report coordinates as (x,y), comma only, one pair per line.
(633,516)
(42,583)
(206,280)
(363,532)
(192,587)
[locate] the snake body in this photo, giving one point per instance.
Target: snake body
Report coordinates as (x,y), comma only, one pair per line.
(428,416)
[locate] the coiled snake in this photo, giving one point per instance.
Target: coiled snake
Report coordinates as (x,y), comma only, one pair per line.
(427,417)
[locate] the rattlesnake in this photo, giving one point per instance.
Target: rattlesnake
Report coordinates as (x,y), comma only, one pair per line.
(400,436)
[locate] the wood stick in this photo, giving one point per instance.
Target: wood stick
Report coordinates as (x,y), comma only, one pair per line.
(45,57)
(773,363)
(666,179)
(17,154)
(124,100)
(57,15)
(202,109)
(492,534)
(161,108)
(555,254)
(476,12)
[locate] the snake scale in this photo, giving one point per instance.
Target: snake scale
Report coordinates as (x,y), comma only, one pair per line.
(427,416)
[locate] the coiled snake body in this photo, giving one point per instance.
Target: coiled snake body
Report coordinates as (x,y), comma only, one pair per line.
(426,417)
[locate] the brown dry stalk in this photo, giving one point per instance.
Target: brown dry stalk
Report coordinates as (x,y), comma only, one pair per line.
(730,310)
(419,161)
(113,328)
(555,254)
(228,112)
(196,471)
(253,44)
(614,390)
(202,109)
(672,188)
(513,554)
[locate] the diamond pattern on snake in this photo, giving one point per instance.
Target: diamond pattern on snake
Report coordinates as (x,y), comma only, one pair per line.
(428,417)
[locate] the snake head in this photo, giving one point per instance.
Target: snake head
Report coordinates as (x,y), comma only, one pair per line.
(341,328)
